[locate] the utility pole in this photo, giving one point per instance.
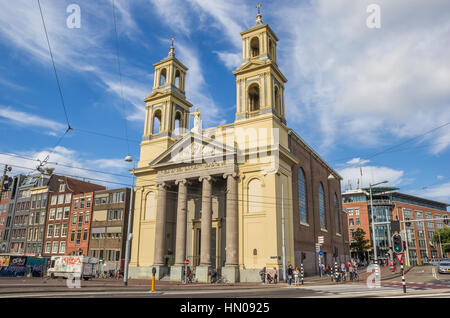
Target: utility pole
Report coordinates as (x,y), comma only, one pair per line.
(282,231)
(130,220)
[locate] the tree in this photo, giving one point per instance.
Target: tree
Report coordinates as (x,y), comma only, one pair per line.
(360,245)
(445,239)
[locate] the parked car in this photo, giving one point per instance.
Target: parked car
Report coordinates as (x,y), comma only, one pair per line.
(444,268)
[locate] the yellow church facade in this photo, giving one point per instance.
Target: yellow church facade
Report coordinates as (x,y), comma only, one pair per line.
(227,198)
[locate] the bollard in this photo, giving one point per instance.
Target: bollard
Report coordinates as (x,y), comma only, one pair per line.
(302,272)
(403,279)
(153,279)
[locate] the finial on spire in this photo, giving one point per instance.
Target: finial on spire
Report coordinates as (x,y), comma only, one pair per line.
(258,17)
(172,48)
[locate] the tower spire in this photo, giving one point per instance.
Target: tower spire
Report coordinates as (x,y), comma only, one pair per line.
(172,48)
(258,16)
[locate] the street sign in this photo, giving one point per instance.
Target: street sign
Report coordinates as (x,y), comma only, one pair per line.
(186,262)
(320,239)
(317,247)
(320,253)
(399,258)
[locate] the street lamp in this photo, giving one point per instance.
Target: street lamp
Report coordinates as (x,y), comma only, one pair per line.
(373,225)
(130,218)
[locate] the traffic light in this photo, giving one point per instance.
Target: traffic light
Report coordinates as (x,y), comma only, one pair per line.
(397,242)
(395,226)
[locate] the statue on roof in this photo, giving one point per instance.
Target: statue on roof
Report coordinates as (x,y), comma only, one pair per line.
(197,121)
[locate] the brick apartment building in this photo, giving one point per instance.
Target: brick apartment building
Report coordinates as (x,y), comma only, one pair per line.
(389,205)
(4,202)
(109,227)
(80,222)
(59,210)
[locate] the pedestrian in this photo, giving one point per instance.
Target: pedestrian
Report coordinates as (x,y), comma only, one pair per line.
(289,273)
(296,275)
(350,272)
(262,273)
(322,268)
(275,275)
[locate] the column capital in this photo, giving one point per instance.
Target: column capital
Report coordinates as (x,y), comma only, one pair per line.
(181,181)
(207,178)
(162,185)
(232,174)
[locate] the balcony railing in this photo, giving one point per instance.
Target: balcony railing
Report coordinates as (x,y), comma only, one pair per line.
(382,202)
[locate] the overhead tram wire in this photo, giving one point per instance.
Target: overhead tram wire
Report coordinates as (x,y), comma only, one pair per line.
(396,145)
(57,82)
(120,71)
(289,203)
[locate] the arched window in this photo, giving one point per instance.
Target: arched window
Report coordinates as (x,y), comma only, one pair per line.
(156,122)
(337,214)
(277,101)
(150,206)
(162,78)
(302,196)
(177,78)
(178,125)
(253,97)
(254,196)
(323,222)
(254,47)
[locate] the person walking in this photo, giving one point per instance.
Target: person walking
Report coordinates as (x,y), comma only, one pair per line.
(289,275)
(350,271)
(275,275)
(296,275)
(262,273)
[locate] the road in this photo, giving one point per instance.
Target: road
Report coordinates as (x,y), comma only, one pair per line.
(421,282)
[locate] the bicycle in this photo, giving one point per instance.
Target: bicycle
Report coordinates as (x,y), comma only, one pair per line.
(221,280)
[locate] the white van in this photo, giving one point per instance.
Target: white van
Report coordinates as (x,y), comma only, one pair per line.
(63,266)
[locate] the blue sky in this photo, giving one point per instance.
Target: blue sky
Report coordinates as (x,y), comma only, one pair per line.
(352,91)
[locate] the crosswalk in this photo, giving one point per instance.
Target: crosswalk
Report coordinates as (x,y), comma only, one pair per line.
(350,290)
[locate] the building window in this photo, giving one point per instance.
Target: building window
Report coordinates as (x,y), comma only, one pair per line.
(350,212)
(55,248)
(54,198)
(66,213)
(51,215)
(78,237)
(72,235)
(47,247)
(59,213)
(62,247)
(61,199)
(351,222)
(57,228)
(86,217)
(74,219)
(122,196)
(68,198)
(356,211)
(80,219)
(88,202)
(50,230)
(85,234)
(64,230)
(357,222)
(62,187)
(253,98)
(337,214)
(323,222)
(302,197)
(81,203)
(75,204)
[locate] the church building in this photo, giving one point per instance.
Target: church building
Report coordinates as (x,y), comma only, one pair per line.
(237,197)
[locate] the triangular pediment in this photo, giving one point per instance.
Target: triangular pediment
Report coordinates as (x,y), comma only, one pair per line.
(251,64)
(155,94)
(193,148)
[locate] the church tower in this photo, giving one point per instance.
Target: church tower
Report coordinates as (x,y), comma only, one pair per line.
(260,83)
(166,110)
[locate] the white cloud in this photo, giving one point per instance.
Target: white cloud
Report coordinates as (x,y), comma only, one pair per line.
(439,193)
(371,175)
(367,83)
(231,60)
(26,120)
(357,161)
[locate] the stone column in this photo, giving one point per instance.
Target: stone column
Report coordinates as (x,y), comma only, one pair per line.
(205,252)
(231,271)
(160,231)
(177,271)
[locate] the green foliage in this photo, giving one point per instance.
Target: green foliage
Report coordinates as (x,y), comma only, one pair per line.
(361,245)
(445,238)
